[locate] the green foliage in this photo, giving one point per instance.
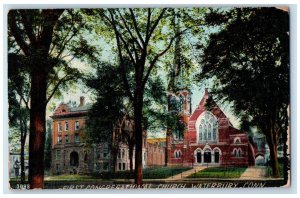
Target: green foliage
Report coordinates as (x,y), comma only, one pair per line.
(248,60)
(219,172)
(110,104)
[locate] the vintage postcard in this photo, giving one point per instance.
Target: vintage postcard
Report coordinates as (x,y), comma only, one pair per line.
(149,98)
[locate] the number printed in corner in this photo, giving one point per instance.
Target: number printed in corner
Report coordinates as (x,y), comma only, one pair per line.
(23,186)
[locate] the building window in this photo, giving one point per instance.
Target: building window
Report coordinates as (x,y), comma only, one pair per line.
(105,166)
(67,138)
(123,153)
(59,139)
(98,153)
(59,127)
(177,154)
(97,165)
(66,126)
(120,164)
(181,103)
(77,140)
(237,140)
(57,167)
(237,152)
(57,155)
(105,152)
(76,125)
(124,166)
(207,128)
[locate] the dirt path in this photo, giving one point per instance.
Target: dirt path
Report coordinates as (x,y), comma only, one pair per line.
(254,173)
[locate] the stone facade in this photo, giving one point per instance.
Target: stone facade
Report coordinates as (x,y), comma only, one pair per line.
(70,153)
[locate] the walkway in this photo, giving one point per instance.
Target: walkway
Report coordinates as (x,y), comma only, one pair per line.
(186,173)
(254,173)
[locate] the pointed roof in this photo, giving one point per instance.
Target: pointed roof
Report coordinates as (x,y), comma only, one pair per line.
(201,108)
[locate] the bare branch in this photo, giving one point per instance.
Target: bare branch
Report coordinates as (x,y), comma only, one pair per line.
(15,31)
(125,80)
(27,21)
(136,26)
(152,63)
(62,80)
(128,29)
(117,33)
(148,36)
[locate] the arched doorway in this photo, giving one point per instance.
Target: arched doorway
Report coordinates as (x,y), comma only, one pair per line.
(74,159)
(217,157)
(207,156)
(259,160)
(198,156)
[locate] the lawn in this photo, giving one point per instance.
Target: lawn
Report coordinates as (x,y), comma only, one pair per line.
(219,172)
(69,177)
(163,172)
(148,173)
(269,170)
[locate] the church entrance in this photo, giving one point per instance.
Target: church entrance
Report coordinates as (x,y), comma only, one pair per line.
(217,156)
(199,157)
(207,156)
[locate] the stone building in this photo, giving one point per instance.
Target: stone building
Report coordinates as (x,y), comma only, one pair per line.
(70,153)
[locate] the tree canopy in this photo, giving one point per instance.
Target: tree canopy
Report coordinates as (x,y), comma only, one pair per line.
(248,60)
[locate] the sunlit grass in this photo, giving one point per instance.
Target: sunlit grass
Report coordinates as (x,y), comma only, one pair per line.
(219,172)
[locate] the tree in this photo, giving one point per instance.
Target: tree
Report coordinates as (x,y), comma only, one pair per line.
(107,114)
(111,117)
(248,60)
(48,148)
(142,36)
(49,41)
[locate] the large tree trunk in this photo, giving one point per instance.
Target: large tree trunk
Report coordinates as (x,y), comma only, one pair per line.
(138,106)
(114,159)
(23,139)
(37,126)
(131,145)
(23,129)
(273,157)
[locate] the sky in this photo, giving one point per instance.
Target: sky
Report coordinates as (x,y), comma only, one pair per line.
(106,55)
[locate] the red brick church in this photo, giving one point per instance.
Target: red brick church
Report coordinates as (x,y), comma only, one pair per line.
(209,137)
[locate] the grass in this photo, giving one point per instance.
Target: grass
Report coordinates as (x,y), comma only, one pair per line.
(281,171)
(148,173)
(69,177)
(219,172)
(163,172)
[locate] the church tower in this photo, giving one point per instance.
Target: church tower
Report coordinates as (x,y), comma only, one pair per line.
(179,105)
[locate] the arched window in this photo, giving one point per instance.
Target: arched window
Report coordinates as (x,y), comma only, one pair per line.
(181,102)
(177,154)
(207,126)
(237,140)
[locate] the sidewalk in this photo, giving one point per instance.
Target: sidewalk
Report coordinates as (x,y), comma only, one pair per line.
(254,173)
(186,173)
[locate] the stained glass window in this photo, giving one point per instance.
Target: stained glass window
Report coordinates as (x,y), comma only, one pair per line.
(208,128)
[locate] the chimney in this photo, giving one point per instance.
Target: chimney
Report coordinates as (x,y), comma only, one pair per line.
(81,101)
